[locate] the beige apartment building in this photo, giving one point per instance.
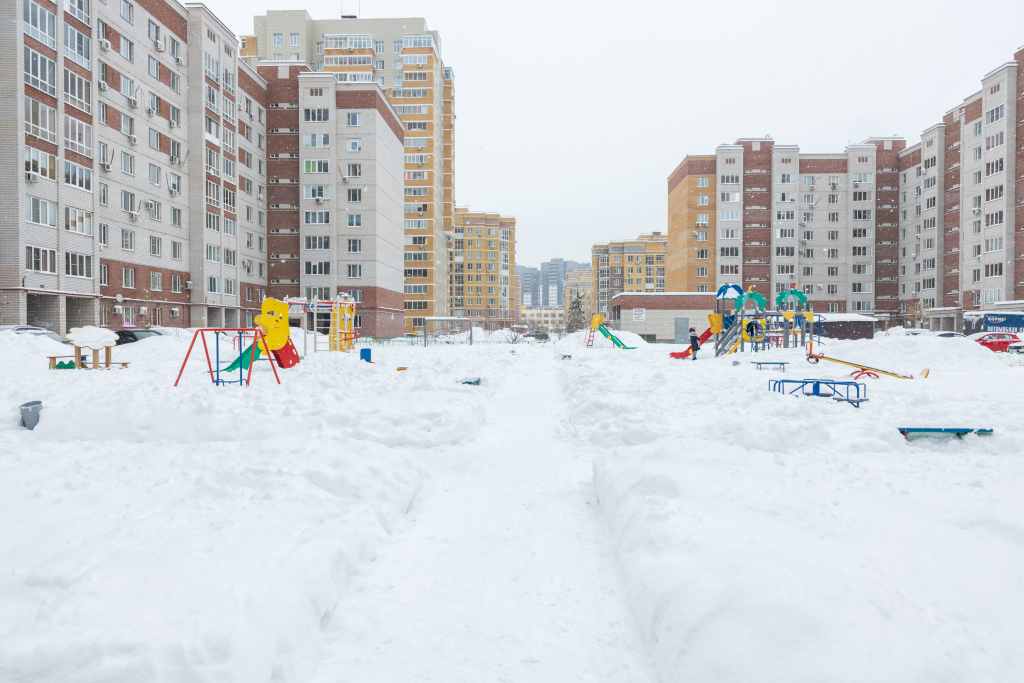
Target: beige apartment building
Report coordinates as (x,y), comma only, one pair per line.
(628,266)
(692,203)
(482,268)
(580,282)
(402,57)
(543,318)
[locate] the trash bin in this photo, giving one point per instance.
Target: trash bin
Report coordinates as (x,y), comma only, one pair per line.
(30,413)
(364,354)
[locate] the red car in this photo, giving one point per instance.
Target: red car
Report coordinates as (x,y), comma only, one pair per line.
(997,341)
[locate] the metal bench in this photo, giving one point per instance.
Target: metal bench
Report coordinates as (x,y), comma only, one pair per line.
(853,393)
(759,363)
(958,432)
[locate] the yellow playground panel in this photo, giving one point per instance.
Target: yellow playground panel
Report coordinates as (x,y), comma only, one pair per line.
(596,320)
(341,334)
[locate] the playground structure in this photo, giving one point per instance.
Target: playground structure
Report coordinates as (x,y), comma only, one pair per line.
(272,338)
(861,370)
(597,325)
(89,337)
(823,388)
(333,321)
(789,326)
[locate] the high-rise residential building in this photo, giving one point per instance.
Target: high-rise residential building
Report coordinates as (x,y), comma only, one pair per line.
(530,289)
(403,58)
(636,265)
(185,206)
(692,236)
(482,266)
(552,279)
(823,222)
(580,282)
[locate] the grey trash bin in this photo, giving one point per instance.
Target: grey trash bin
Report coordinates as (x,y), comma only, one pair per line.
(30,413)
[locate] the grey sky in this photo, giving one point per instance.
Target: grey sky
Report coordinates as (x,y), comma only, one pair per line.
(571,115)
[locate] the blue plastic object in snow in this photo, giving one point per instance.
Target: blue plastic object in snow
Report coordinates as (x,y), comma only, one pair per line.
(364,354)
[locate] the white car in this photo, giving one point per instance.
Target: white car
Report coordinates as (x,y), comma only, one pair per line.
(33,330)
(1016,347)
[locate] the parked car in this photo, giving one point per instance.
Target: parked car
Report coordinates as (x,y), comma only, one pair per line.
(129,336)
(33,330)
(539,336)
(1016,347)
(949,334)
(997,341)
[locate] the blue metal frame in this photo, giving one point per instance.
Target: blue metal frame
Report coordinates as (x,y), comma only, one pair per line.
(241,371)
(840,391)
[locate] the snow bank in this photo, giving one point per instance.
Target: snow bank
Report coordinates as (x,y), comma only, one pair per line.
(92,337)
(204,533)
(779,538)
(578,340)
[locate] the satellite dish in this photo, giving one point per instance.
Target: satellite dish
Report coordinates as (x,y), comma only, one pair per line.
(118,298)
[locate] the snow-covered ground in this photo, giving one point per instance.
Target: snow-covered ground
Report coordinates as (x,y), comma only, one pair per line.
(620,516)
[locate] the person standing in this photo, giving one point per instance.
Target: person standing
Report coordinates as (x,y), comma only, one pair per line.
(694,344)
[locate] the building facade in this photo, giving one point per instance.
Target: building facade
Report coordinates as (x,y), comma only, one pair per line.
(482,267)
(402,57)
(530,289)
(552,280)
(543,318)
(628,266)
(692,235)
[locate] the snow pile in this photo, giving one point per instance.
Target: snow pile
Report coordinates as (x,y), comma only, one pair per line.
(204,533)
(578,340)
(788,538)
(92,337)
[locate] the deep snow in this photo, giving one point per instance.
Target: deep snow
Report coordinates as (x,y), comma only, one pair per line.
(620,516)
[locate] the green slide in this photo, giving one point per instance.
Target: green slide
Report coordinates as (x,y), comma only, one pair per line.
(615,340)
(243,360)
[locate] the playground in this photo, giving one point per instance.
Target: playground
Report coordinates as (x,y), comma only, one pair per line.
(619,515)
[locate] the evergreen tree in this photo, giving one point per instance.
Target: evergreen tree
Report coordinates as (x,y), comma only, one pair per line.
(577,320)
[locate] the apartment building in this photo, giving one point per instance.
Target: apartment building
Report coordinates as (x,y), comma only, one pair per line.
(482,267)
(961,234)
(403,58)
(826,223)
(530,289)
(543,318)
(692,236)
(628,266)
(334,174)
(580,282)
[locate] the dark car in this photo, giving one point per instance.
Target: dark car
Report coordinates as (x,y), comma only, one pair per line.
(129,336)
(539,336)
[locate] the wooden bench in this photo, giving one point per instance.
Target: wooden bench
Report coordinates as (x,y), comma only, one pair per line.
(81,364)
(759,363)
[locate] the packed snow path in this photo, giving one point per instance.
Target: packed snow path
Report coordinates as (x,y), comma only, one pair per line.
(503,569)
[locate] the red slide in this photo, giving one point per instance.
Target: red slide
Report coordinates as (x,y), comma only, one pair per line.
(686,354)
(287,356)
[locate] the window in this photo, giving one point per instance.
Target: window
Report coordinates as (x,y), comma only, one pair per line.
(176,251)
(76,46)
(315,140)
(993,270)
(318,267)
(293,39)
(128,278)
(127,163)
(355,119)
(127,51)
(40,260)
(355,220)
(77,220)
(355,194)
(213,222)
(702,254)
(993,295)
(77,91)
(994,218)
(355,170)
(316,115)
(994,244)
(40,120)
(782,251)
(995,114)
(355,145)
(40,72)
(40,163)
(317,166)
(41,24)
(317,191)
(155,209)
(40,212)
(355,270)
(994,167)
(991,194)
(355,246)
(278,39)
(730,215)
(318,217)
(784,215)
(77,265)
(861,214)
(732,251)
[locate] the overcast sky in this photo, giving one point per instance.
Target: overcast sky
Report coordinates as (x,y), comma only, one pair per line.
(571,115)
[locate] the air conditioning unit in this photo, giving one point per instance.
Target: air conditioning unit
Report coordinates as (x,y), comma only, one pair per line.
(802,224)
(809,186)
(344,178)
(143,310)
(419,213)
(102,85)
(179,60)
(251,116)
(133,102)
(174,159)
(104,44)
(134,215)
(133,139)
(181,162)
(104,166)
(188,284)
(159,45)
(856,184)
(260,197)
(151,112)
(174,311)
(173,123)
(31,177)
(175,193)
(118,310)
(834,186)
(977,210)
(319,200)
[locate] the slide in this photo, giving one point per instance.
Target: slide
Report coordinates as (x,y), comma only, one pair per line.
(686,354)
(615,340)
(243,360)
